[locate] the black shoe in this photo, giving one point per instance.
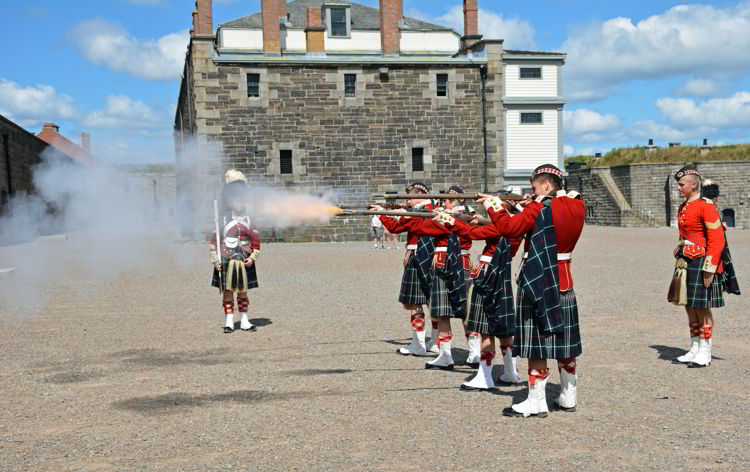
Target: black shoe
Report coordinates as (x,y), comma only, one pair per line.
(251,328)
(556,406)
(228,330)
(441,367)
(693,365)
(513,413)
(473,365)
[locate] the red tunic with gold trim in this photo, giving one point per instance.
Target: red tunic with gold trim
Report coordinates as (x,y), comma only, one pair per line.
(701,233)
(399,225)
(568,213)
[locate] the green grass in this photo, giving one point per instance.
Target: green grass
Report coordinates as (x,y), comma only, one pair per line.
(679,154)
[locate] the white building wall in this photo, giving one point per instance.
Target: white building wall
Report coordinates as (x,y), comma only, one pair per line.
(435,41)
(517,87)
(531,145)
(232,38)
(359,41)
(293,40)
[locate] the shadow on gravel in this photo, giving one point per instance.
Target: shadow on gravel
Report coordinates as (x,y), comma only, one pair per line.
(260,322)
(309,372)
(669,353)
(153,358)
(73,377)
(397,342)
(172,403)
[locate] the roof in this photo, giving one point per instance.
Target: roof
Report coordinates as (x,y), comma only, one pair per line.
(363,17)
(69,148)
(533,53)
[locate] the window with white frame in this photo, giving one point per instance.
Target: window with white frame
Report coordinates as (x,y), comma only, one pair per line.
(338,21)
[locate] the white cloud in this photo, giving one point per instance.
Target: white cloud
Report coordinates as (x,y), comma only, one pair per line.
(603,56)
(105,43)
(699,88)
(30,106)
(730,112)
(517,33)
(122,112)
(584,121)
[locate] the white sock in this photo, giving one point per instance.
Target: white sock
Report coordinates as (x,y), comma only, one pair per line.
(229,320)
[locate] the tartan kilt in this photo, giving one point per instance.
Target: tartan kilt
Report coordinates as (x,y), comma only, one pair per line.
(411,287)
(476,320)
(252,275)
(440,303)
(531,344)
(698,296)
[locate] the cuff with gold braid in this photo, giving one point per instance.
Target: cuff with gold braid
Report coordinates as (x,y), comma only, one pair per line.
(444,219)
(708,266)
(495,204)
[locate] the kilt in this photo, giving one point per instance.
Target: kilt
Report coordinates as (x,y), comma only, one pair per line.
(698,296)
(531,344)
(477,320)
(440,303)
(411,287)
(252,275)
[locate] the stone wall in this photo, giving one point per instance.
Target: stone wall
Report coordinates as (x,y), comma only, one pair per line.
(24,152)
(652,192)
(354,146)
(154,190)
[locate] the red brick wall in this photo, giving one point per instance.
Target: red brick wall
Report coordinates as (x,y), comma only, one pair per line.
(391,12)
(204,25)
(470,18)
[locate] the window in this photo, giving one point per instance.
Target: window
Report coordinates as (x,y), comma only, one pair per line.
(285,161)
(442,85)
(253,85)
(338,22)
(531,72)
(417,159)
(350,85)
(531,118)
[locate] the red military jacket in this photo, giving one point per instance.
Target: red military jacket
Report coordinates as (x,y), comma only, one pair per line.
(699,223)
(487,233)
(399,225)
(568,213)
(238,235)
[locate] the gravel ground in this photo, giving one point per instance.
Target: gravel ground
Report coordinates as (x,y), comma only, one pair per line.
(133,372)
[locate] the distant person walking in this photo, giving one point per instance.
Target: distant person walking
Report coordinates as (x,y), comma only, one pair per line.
(376,232)
(392,238)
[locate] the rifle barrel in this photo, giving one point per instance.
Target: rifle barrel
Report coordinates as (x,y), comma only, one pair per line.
(441,196)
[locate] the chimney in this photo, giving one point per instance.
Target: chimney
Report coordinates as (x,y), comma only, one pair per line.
(471,24)
(391,13)
(203,24)
(86,142)
(272,11)
(51,128)
(315,31)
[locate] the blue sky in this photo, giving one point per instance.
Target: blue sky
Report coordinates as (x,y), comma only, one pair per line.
(672,71)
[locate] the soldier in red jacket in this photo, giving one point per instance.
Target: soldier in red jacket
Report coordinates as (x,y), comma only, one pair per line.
(234,258)
(697,283)
(412,295)
(546,321)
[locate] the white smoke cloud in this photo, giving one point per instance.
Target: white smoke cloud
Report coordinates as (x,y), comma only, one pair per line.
(105,43)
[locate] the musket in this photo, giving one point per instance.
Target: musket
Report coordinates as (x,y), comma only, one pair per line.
(218,243)
(441,196)
(482,221)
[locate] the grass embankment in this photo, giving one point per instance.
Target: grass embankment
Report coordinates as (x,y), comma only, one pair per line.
(686,154)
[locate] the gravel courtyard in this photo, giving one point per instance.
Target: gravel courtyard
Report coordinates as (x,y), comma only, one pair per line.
(132,372)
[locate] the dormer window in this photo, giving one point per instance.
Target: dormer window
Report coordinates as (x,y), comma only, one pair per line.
(338,21)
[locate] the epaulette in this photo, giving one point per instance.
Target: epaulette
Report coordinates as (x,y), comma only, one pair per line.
(573,194)
(708,200)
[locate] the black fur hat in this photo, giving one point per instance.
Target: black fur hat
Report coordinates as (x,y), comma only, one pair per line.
(710,189)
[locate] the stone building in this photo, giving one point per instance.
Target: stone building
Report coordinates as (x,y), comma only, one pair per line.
(315,95)
(647,194)
(20,151)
